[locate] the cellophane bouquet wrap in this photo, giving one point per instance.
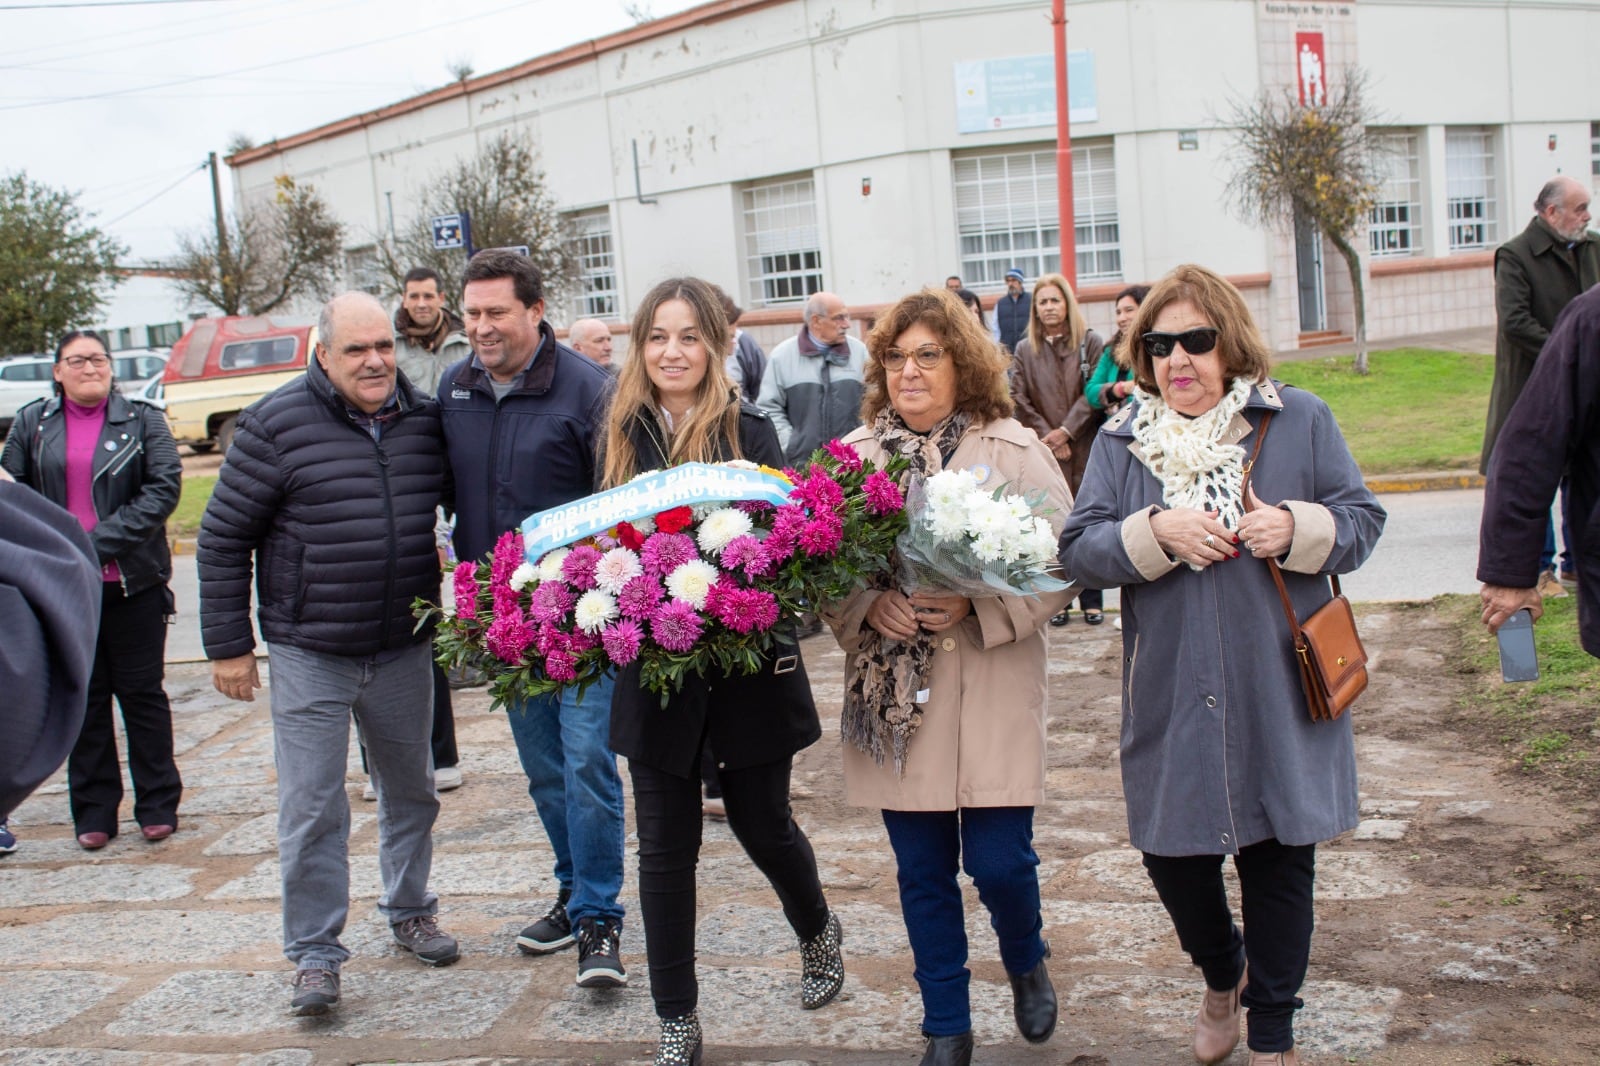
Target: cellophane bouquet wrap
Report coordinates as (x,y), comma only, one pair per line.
(685,591)
(965,540)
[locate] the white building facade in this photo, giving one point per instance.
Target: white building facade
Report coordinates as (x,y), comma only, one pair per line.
(870,147)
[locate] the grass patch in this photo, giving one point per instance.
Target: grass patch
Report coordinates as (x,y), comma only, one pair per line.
(1548,727)
(1418,409)
(185,521)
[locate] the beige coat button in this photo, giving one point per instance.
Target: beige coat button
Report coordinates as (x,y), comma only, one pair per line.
(949,644)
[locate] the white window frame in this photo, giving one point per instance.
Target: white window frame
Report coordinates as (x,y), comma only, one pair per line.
(1594,152)
(1008,215)
(1469,160)
(1395,222)
(363,271)
(783,243)
(597,295)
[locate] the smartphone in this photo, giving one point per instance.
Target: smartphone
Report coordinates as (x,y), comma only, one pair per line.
(1518,661)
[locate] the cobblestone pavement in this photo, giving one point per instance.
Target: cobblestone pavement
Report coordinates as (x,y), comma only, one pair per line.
(169,953)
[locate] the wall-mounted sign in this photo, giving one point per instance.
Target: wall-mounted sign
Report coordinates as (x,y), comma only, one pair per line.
(448,231)
(1188,140)
(1310,62)
(1020,91)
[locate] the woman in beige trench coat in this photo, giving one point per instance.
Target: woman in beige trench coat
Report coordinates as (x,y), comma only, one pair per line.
(944,702)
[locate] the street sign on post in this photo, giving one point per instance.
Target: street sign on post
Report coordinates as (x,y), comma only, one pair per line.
(448,232)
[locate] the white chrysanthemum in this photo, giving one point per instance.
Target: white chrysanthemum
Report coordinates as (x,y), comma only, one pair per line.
(550,564)
(615,569)
(742,464)
(645,526)
(949,523)
(951,488)
(988,548)
(594,610)
(523,576)
(721,526)
(691,582)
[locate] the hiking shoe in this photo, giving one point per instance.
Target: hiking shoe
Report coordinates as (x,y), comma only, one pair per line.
(316,991)
(8,840)
(1549,586)
(550,933)
(446,778)
(600,954)
(421,937)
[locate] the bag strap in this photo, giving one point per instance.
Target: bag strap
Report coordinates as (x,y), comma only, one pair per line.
(1272,564)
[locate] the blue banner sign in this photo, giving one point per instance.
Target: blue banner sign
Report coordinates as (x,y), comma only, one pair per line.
(690,484)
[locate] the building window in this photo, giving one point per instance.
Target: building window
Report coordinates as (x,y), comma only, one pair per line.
(597,267)
(1594,149)
(783,251)
(1469,184)
(363,271)
(166,334)
(1007,214)
(1396,218)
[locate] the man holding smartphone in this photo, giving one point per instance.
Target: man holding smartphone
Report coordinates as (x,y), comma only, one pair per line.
(1553,429)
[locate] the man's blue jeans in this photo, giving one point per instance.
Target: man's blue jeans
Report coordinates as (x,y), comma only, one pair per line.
(564,745)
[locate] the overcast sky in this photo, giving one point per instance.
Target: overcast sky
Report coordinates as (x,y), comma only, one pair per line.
(120,101)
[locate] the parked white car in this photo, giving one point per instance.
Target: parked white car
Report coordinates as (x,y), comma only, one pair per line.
(23,379)
(135,367)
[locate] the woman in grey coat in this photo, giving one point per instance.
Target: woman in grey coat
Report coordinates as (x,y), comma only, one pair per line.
(1219,753)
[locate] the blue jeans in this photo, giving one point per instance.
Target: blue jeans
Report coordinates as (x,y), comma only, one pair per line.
(996,846)
(314,696)
(564,745)
(1547,558)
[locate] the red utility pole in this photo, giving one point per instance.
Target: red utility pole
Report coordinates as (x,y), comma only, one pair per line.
(1069,229)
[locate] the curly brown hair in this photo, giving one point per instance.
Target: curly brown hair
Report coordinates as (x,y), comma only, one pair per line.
(982,386)
(1244,354)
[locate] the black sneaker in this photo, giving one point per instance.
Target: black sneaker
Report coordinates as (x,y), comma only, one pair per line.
(316,991)
(550,933)
(599,954)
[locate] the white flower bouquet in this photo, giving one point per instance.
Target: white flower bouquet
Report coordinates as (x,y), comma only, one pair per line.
(972,542)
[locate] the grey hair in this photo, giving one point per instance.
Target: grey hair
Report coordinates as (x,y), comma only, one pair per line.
(1550,195)
(816,307)
(325,319)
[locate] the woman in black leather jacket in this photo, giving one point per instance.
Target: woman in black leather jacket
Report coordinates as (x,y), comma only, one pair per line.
(675,403)
(113,464)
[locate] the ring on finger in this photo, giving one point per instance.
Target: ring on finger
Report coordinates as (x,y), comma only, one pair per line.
(1209,540)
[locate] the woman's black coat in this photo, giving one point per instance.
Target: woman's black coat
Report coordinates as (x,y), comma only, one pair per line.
(751,719)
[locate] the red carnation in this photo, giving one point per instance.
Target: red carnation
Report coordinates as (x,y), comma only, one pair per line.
(674,520)
(629,537)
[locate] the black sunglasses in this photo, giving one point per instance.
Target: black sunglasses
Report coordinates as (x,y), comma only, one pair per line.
(1159,345)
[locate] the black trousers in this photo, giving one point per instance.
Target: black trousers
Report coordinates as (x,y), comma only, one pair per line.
(128,665)
(1275,885)
(667,811)
(444,725)
(1092,600)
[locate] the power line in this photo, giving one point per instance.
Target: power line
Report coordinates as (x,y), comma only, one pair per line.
(404,35)
(126,39)
(104,3)
(146,203)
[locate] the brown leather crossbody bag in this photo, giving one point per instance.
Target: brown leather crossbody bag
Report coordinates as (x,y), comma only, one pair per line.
(1327,648)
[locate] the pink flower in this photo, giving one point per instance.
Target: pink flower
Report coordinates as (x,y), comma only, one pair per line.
(508,638)
(508,555)
(466,590)
(665,552)
(621,641)
(883,495)
(551,638)
(747,610)
(739,551)
(640,597)
(561,666)
(676,626)
(578,566)
(844,455)
(580,642)
(717,595)
(753,508)
(550,603)
(763,564)
(818,492)
(822,535)
(507,604)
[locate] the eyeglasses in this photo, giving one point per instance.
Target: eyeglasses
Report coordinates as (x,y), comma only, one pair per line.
(78,362)
(1159,345)
(927,357)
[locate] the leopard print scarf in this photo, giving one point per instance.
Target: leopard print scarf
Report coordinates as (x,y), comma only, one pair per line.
(881,712)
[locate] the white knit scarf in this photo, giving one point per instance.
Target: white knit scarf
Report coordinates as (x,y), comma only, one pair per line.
(1187,455)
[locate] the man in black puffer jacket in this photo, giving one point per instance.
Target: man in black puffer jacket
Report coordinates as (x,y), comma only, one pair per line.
(331,484)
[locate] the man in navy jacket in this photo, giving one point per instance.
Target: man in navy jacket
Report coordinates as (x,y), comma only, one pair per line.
(522,418)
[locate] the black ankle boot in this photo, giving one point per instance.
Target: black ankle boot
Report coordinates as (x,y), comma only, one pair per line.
(948,1050)
(1034,1002)
(680,1041)
(822,966)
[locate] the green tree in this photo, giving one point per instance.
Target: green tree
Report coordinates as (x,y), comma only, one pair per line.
(55,267)
(504,190)
(1316,162)
(287,247)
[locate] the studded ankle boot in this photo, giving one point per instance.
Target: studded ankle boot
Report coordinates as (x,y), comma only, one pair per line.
(680,1041)
(822,966)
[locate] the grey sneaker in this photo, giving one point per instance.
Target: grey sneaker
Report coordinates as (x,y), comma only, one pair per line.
(550,933)
(316,991)
(600,954)
(421,936)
